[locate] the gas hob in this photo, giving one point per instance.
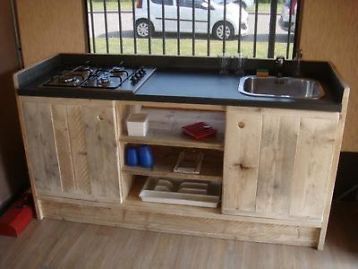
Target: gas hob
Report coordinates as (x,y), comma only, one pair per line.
(118,77)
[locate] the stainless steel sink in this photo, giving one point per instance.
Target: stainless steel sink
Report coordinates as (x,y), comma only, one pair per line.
(284,87)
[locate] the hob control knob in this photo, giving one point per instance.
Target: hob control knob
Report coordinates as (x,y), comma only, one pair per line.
(142,71)
(134,80)
(138,75)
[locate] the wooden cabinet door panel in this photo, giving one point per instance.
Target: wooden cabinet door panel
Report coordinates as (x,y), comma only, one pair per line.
(41,150)
(277,156)
(102,152)
(241,160)
(64,151)
(313,163)
(77,141)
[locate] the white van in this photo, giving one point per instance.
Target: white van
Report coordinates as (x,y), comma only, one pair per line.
(154,24)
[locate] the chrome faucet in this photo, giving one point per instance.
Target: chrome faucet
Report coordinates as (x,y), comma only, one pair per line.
(240,67)
(279,65)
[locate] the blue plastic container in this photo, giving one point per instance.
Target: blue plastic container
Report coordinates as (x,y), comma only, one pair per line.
(132,156)
(145,154)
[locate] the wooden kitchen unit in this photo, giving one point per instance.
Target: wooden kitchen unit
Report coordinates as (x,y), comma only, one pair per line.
(277,167)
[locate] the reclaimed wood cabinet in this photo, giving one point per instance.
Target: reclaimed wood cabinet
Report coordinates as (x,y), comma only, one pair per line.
(277,175)
(72,147)
(277,162)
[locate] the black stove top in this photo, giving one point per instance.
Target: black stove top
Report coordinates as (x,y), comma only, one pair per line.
(118,77)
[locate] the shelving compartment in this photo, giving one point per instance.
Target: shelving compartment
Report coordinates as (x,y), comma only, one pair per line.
(165,159)
(167,141)
(165,127)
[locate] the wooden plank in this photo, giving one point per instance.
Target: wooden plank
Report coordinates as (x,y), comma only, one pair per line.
(135,218)
(278,149)
(41,146)
(31,170)
(79,149)
(158,137)
(182,106)
(241,160)
(316,141)
(66,101)
(334,167)
(101,148)
(63,145)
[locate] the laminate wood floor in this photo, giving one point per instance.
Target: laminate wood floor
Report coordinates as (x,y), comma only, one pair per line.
(61,244)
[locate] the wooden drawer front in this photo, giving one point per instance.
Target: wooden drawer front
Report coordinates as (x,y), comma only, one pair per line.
(277,164)
(73,149)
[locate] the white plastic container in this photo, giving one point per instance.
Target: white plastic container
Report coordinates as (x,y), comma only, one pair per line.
(137,124)
(207,197)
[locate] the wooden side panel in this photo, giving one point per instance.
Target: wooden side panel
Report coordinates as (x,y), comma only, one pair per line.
(241,160)
(312,168)
(277,156)
(62,138)
(41,146)
(102,154)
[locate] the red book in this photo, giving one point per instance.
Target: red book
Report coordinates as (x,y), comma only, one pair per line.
(199,130)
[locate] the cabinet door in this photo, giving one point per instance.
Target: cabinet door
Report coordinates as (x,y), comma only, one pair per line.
(80,146)
(277,162)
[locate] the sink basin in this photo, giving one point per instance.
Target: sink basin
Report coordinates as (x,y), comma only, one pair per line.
(284,87)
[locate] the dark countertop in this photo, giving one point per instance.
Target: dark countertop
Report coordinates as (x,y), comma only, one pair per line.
(214,88)
(182,84)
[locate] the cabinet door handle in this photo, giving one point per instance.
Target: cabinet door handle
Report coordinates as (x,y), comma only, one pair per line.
(241,124)
(100,117)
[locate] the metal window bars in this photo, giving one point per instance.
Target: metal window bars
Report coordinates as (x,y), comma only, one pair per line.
(168,26)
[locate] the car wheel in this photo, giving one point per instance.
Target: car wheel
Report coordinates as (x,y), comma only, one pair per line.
(218,31)
(143,28)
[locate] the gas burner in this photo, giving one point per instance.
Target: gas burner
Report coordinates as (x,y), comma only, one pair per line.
(119,71)
(103,81)
(71,80)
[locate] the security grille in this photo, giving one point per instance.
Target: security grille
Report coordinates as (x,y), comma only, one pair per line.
(257,29)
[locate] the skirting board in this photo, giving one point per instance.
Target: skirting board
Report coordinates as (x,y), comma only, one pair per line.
(128,217)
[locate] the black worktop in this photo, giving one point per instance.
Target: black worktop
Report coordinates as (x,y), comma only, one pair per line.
(185,80)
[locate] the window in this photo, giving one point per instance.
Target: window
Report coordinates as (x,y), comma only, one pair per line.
(166,2)
(189,3)
(256,29)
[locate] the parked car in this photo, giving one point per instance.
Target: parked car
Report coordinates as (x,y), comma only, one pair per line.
(284,20)
(144,26)
(245,3)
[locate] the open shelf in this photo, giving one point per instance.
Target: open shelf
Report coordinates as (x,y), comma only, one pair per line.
(165,159)
(175,139)
(165,128)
